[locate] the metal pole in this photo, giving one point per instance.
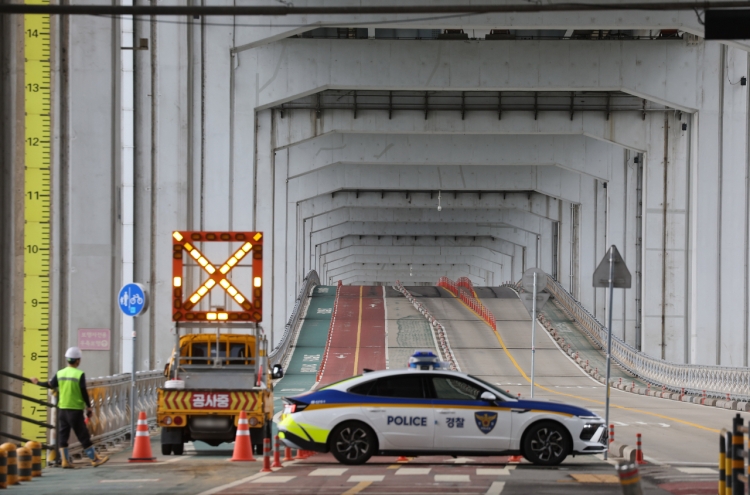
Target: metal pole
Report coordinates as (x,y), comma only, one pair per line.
(132,394)
(609,337)
(533,334)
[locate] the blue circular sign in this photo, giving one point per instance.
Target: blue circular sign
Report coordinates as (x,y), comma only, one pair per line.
(133,299)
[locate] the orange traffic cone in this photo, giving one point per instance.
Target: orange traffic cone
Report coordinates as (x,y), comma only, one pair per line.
(515,458)
(142,445)
(243,451)
(402,458)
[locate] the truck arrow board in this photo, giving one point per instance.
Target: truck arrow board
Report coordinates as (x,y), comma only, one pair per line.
(245,246)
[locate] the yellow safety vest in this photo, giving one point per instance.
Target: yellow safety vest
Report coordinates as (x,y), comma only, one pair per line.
(69,385)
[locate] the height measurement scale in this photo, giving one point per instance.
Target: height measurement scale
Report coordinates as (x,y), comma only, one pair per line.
(36,232)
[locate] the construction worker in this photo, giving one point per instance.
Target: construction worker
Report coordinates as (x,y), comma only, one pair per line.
(73,399)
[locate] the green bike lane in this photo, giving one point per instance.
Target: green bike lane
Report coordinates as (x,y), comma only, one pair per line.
(308,350)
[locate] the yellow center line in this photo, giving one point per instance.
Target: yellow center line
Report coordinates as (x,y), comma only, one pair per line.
(357,488)
(594,401)
(359,335)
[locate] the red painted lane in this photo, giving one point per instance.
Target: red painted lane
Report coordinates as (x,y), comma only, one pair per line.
(359,318)
(372,337)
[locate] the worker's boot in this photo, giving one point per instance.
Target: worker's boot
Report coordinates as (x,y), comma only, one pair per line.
(95,459)
(67,462)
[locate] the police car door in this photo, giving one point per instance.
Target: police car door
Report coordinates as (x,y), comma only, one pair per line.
(399,409)
(463,420)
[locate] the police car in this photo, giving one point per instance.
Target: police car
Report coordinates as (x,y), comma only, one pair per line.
(429,410)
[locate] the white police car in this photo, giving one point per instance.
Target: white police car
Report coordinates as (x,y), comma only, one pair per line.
(427,410)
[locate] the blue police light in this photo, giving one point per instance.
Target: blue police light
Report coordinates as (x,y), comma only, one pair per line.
(425,360)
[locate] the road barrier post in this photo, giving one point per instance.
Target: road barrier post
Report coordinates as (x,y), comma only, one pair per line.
(611,432)
(288,454)
(276,453)
(266,456)
(3,469)
(630,479)
(12,466)
(728,464)
(638,450)
(36,458)
(722,461)
(738,455)
(24,463)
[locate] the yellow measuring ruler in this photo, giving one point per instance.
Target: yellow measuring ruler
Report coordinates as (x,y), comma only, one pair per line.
(37,217)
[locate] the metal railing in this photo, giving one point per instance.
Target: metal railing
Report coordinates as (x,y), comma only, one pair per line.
(439,335)
(50,427)
(110,400)
(709,380)
(279,352)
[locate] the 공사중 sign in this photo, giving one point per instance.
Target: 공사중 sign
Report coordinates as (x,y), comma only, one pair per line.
(94,339)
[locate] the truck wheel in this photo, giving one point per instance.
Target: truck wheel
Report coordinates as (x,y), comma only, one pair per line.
(546,443)
(353,443)
(166,449)
(178,449)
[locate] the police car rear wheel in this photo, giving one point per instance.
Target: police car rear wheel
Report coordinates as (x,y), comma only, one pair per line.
(546,443)
(353,443)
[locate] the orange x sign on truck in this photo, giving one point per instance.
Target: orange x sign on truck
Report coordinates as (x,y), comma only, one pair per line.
(251,246)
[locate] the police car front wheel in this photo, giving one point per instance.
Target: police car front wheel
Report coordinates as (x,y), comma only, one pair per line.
(353,443)
(546,443)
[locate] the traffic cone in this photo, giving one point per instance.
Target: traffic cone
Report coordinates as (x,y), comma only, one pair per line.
(402,459)
(276,454)
(300,455)
(243,451)
(142,445)
(515,458)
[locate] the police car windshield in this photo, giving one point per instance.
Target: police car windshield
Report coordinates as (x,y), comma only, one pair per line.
(493,387)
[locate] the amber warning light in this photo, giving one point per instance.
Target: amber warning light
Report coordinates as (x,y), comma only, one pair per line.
(248,248)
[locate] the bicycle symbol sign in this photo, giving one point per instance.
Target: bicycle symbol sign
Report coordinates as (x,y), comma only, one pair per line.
(133,299)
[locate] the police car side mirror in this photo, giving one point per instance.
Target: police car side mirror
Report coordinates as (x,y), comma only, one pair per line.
(278,371)
(489,397)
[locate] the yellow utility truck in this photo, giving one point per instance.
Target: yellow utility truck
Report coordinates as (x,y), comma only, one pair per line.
(211,378)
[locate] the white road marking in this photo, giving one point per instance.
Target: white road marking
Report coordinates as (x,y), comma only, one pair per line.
(496,488)
(274,479)
(406,470)
(453,478)
(460,460)
(365,477)
(493,472)
(141,480)
(233,484)
(696,470)
(328,472)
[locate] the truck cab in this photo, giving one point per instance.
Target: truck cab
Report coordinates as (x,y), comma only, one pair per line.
(211,378)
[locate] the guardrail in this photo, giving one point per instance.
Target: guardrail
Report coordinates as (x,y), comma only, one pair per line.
(334,312)
(702,380)
(279,352)
(442,345)
(110,400)
(464,290)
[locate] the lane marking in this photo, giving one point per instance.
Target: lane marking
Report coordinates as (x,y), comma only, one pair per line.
(359,331)
(141,480)
(328,472)
(413,471)
(452,478)
(624,408)
(233,484)
(496,488)
(493,472)
(697,470)
(365,477)
(385,327)
(274,479)
(357,488)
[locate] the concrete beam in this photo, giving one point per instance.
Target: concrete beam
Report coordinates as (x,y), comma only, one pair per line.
(575,153)
(298,67)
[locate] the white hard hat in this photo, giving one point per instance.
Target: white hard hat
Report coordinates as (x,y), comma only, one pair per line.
(73,353)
